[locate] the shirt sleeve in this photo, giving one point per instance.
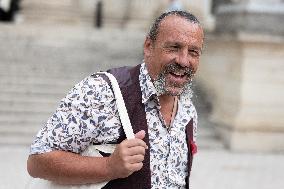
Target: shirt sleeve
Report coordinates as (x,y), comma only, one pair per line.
(88,114)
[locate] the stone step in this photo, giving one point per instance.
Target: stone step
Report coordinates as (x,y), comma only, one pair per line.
(30,98)
(53,90)
(51,10)
(48,4)
(33,80)
(27,128)
(33,93)
(47,69)
(27,106)
(19,131)
(16,139)
(24,117)
(30,86)
(43,14)
(20,96)
(24,130)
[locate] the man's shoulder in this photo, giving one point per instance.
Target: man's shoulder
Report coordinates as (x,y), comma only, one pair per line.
(125,75)
(124,71)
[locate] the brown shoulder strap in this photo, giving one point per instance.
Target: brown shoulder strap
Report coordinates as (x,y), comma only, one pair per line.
(189,140)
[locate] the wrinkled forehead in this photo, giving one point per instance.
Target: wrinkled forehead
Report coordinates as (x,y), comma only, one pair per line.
(176,27)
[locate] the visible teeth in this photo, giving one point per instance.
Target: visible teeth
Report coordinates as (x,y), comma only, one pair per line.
(178,74)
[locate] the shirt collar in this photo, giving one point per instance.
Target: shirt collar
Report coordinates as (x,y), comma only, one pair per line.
(147,87)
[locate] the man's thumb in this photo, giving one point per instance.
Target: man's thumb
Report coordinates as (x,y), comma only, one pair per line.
(140,134)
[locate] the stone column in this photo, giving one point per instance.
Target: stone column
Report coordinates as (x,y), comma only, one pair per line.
(202,9)
(243,68)
(130,13)
(260,16)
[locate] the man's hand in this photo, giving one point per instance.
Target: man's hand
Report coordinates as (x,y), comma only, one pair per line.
(128,156)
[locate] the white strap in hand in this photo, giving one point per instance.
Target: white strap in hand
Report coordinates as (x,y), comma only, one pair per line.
(127,127)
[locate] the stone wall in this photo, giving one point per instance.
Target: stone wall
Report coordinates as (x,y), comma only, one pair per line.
(244,78)
(243,69)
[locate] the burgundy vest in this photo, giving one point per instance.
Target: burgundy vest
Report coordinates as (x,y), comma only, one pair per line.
(128,80)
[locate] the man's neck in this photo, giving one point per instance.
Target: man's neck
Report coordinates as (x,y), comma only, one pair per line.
(167,107)
(166,100)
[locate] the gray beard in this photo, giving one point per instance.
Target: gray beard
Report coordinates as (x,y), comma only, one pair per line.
(160,85)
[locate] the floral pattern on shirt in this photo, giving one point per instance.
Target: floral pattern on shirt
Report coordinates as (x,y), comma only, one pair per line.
(88,114)
(168,147)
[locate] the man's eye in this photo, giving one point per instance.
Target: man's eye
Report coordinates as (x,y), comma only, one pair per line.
(194,53)
(174,47)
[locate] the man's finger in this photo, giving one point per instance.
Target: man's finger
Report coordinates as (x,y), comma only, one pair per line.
(135,142)
(140,134)
(136,166)
(136,159)
(136,150)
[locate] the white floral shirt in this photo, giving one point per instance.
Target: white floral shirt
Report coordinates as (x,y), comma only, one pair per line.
(88,114)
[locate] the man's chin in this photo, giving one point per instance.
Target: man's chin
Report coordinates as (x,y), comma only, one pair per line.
(173,91)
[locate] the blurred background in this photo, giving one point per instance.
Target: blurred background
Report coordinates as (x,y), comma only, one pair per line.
(48,46)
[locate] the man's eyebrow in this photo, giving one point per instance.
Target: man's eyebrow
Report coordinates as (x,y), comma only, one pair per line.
(168,43)
(193,47)
(174,43)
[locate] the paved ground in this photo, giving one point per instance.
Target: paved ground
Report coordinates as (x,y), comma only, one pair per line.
(13,173)
(212,169)
(226,170)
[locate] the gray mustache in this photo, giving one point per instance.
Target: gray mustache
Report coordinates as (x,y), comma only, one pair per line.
(174,67)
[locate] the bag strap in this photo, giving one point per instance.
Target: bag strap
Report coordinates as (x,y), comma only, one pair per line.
(126,125)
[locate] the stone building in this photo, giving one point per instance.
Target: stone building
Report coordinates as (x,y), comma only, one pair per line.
(243,65)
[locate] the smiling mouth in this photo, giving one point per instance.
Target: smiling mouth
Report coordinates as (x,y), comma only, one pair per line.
(178,78)
(177,74)
(180,74)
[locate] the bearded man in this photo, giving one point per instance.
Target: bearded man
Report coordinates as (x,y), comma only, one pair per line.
(157,95)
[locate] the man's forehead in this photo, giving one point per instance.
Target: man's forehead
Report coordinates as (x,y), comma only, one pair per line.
(174,22)
(175,26)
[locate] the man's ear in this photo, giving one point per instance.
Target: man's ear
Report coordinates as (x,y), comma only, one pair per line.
(148,44)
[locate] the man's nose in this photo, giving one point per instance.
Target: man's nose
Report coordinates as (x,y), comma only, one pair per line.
(183,59)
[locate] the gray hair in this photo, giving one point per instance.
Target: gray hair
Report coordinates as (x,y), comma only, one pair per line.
(154,30)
